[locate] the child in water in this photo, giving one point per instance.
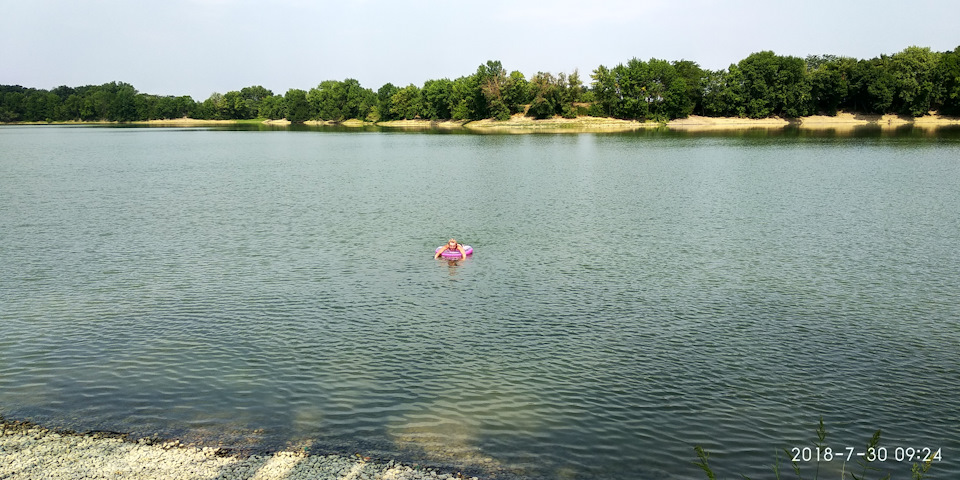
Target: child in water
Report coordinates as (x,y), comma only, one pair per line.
(452,246)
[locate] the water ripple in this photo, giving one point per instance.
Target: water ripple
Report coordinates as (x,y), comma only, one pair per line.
(709,292)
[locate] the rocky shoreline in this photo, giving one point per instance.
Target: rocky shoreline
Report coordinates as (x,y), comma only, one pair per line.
(29,451)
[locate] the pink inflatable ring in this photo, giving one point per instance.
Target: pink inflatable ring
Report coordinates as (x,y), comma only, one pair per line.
(454,254)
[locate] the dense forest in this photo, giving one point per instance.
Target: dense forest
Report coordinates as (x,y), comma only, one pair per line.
(912,82)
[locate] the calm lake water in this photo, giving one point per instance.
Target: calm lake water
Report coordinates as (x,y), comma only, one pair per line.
(631,295)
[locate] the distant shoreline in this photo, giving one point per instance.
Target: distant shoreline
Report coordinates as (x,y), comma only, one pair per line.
(523,124)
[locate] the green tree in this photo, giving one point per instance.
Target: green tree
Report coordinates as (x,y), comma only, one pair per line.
(234,107)
(734,94)
(11,103)
(253,97)
(98,103)
(948,79)
(791,88)
(67,104)
(829,77)
(516,92)
(368,101)
(693,77)
(913,72)
(204,110)
(571,91)
(664,91)
(357,100)
(35,106)
(436,98)
(215,107)
(774,85)
(911,82)
(183,106)
(326,101)
(298,108)
(546,96)
(273,107)
(605,92)
(385,102)
(713,86)
(407,102)
(492,79)
(70,109)
(122,106)
(146,106)
(166,107)
(338,101)
(872,87)
(759,75)
(640,90)
(466,101)
(632,90)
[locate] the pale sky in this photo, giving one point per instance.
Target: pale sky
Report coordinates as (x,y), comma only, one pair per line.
(197,47)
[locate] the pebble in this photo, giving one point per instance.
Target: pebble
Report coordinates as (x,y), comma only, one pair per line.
(32,452)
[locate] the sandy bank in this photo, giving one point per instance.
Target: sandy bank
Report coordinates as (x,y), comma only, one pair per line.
(423,124)
(521,124)
(185,122)
(353,122)
(842,121)
(696,122)
(30,452)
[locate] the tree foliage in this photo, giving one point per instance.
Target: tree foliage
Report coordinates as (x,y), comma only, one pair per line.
(407,103)
(829,81)
(341,100)
(911,82)
(948,81)
(436,95)
(913,71)
(385,102)
(639,90)
(298,107)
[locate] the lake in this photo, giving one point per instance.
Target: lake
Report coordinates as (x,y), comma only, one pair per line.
(630,295)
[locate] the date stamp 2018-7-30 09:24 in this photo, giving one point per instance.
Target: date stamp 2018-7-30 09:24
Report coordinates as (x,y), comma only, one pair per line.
(870,454)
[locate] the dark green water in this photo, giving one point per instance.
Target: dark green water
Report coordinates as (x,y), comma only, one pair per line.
(631,296)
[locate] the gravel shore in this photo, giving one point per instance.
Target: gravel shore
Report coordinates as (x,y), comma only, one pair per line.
(28,451)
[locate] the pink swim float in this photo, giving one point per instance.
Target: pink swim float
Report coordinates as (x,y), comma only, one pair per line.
(454,254)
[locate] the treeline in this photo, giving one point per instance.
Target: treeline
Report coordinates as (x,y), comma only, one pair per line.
(912,82)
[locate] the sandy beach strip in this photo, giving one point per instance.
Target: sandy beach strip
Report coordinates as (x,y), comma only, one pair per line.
(423,124)
(29,452)
(698,123)
(841,122)
(694,123)
(518,123)
(185,122)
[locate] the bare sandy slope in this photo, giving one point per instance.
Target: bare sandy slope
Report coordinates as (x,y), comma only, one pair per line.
(185,122)
(841,121)
(521,124)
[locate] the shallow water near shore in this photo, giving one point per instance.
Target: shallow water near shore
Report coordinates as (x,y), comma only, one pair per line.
(630,295)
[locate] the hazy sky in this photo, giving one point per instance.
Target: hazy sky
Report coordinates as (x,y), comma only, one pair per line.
(197,47)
